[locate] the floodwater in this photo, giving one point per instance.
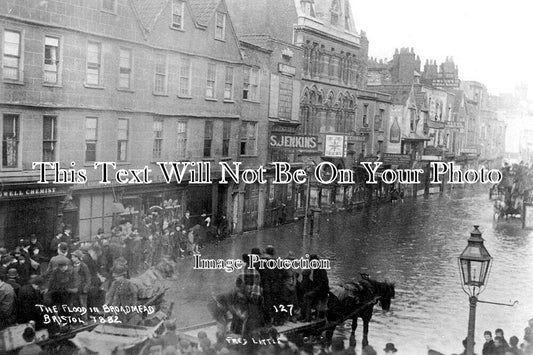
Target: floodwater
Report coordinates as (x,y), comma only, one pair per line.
(415,245)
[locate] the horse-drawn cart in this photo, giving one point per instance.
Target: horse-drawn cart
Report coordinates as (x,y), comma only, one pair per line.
(112,338)
(513,194)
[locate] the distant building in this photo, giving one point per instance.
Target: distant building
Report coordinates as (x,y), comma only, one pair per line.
(334,106)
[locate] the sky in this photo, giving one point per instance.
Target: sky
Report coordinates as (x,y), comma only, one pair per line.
(489,40)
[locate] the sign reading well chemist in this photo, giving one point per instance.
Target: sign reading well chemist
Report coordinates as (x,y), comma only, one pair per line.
(294,141)
(335,146)
(25,192)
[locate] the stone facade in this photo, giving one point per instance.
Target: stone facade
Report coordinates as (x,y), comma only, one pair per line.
(133,83)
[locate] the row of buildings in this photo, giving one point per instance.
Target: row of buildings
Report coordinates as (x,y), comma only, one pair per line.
(138,82)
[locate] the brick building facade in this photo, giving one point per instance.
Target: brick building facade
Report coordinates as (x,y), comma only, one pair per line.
(130,82)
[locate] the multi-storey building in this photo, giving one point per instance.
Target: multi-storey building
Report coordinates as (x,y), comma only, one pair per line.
(131,82)
(333,79)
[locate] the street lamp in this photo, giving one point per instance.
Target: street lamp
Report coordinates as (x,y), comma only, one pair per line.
(474,263)
(308,171)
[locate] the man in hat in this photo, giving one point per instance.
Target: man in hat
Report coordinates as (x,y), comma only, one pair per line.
(288,295)
(271,282)
(235,302)
(29,295)
(7,305)
(84,277)
(337,346)
(67,236)
(30,348)
(390,349)
(123,293)
(34,244)
(170,338)
(24,268)
(63,283)
(62,253)
(12,279)
(8,262)
(319,291)
(54,243)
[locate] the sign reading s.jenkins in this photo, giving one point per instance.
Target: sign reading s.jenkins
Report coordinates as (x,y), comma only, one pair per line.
(286,141)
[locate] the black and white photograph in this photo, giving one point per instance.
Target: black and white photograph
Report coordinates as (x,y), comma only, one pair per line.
(270,177)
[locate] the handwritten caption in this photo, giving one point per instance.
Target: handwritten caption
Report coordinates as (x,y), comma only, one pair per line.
(83,315)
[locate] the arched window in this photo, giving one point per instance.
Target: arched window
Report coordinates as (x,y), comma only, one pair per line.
(395,132)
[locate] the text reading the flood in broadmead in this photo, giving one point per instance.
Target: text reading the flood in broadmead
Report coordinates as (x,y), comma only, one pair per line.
(281,172)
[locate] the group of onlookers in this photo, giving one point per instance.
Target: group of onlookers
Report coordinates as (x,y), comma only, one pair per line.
(498,345)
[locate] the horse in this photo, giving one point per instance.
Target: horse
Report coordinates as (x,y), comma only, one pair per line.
(356,300)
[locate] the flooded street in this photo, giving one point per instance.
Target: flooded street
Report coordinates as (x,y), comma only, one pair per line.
(415,245)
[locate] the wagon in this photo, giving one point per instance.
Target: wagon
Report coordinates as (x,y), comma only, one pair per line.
(107,339)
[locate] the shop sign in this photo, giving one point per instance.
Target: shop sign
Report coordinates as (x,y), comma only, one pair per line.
(286,69)
(435,124)
(30,192)
(335,146)
(431,158)
(447,83)
(396,159)
(469,151)
(454,124)
(293,141)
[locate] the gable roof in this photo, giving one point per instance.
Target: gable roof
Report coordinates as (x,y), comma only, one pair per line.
(148,12)
(203,10)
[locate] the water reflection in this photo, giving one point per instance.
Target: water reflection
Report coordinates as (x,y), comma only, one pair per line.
(415,245)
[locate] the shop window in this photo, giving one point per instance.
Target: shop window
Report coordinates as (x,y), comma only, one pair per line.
(10,141)
(248,138)
(91,125)
(12,56)
(94,63)
(226,137)
(49,138)
(122,140)
(158,138)
(51,60)
(125,69)
(208,138)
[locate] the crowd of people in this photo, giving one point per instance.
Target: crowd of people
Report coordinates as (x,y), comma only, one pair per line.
(268,342)
(498,345)
(266,297)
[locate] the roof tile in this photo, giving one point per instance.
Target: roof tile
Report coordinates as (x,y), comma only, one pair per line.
(203,10)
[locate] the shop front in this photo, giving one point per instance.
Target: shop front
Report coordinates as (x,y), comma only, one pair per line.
(110,206)
(27,209)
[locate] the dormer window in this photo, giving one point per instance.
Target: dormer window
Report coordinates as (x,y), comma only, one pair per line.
(178,7)
(220,26)
(335,11)
(347,17)
(307,7)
